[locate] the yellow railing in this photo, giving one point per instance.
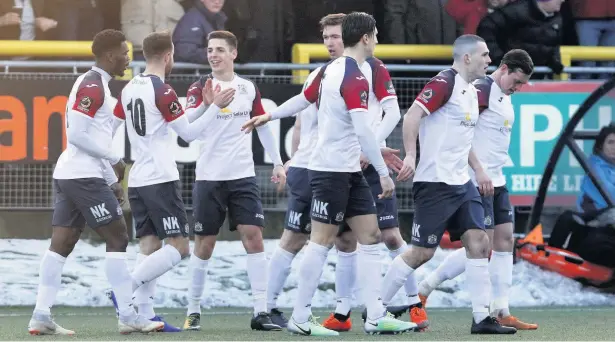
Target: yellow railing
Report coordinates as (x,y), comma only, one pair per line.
(305,53)
(49,48)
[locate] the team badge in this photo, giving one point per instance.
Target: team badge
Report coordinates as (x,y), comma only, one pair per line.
(426,95)
(388,85)
(85,103)
(175,108)
(363,98)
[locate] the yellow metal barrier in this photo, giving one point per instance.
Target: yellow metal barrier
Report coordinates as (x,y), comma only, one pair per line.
(50,48)
(304,53)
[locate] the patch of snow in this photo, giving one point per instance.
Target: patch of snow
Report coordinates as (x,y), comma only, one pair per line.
(84,282)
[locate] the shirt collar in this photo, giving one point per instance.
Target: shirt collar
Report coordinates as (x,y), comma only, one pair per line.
(105,75)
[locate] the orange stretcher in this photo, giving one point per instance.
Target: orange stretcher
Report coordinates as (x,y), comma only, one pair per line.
(533,250)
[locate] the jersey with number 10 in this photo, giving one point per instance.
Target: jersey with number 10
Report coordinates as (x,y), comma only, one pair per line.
(148,105)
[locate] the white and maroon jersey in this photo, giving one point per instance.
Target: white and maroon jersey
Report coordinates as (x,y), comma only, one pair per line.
(445,135)
(308,131)
(226,151)
(493,129)
(380,89)
(89,96)
(148,105)
(338,90)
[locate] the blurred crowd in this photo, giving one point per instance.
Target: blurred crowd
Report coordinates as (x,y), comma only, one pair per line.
(267,29)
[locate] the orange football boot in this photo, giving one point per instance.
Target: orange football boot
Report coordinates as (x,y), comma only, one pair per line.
(418,315)
(512,321)
(335,324)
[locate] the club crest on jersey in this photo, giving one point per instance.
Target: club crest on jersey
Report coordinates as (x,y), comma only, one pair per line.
(241,89)
(363,98)
(191,100)
(388,85)
(175,108)
(85,103)
(426,95)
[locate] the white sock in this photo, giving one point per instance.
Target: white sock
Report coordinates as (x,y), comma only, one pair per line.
(121,282)
(369,274)
(144,295)
(479,287)
(155,265)
(279,269)
(500,270)
(345,279)
(257,273)
(395,278)
(314,259)
(50,280)
(453,265)
(197,269)
(411,286)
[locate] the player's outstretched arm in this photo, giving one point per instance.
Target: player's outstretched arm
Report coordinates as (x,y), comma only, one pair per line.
(392,115)
(485,186)
(190,131)
(289,108)
(198,99)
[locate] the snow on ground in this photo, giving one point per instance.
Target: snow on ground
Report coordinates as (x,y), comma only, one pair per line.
(84,281)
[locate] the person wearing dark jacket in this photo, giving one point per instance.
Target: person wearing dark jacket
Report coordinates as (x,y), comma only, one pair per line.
(24,20)
(190,34)
(532,25)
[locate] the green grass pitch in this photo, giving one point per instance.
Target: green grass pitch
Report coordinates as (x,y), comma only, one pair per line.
(232,324)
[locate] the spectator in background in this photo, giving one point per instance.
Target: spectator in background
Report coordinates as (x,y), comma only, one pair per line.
(532,25)
(77,19)
(419,22)
(468,13)
(602,161)
(190,35)
(142,17)
(595,24)
(24,20)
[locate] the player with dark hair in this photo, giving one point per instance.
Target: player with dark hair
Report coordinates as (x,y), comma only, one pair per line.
(297,223)
(153,182)
(490,145)
(225,176)
(340,192)
(445,113)
(82,179)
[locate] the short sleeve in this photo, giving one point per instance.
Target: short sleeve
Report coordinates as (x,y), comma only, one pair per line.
(436,93)
(90,97)
(483,92)
(257,103)
(118,111)
(312,90)
(354,89)
(168,103)
(194,97)
(381,81)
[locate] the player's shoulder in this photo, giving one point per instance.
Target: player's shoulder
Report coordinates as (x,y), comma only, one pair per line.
(483,84)
(91,80)
(446,76)
(245,86)
(375,64)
